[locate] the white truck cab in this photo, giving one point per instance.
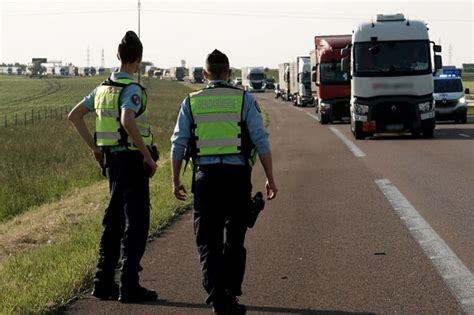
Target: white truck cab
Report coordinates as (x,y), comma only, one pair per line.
(391,66)
(450,98)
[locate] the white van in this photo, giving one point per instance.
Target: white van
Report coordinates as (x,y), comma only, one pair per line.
(450,99)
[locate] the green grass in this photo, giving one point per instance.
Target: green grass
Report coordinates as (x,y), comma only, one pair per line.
(46,168)
(21,94)
(43,279)
(39,163)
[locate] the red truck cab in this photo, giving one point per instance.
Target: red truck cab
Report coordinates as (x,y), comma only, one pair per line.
(331,87)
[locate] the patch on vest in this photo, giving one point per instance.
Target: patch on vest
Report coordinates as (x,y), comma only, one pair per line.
(136,99)
(257,107)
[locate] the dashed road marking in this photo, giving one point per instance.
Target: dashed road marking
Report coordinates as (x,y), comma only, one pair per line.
(297,108)
(455,274)
(351,145)
(312,116)
(464,135)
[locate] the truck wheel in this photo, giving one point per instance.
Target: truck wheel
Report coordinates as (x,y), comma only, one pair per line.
(428,133)
(416,134)
(358,133)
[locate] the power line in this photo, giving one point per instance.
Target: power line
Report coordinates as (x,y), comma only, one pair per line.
(219,13)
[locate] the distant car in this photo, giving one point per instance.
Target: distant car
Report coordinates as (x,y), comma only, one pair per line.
(237,82)
(270,84)
(450,99)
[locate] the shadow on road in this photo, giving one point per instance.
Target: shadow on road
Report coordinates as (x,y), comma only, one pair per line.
(264,309)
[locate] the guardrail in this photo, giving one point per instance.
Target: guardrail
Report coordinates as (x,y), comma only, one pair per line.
(33,116)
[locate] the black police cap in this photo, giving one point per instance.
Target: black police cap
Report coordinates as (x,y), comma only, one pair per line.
(217,57)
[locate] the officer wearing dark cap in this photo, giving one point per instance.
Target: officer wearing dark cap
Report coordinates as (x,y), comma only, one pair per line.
(122,146)
(219,128)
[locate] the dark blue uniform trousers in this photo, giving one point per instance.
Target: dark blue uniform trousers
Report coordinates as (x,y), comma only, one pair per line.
(127,218)
(222,196)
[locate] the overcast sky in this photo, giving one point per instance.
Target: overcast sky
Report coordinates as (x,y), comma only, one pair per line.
(250,33)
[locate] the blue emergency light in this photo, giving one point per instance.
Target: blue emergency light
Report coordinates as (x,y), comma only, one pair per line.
(451,73)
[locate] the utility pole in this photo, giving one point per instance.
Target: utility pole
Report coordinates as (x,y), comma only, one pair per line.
(88,61)
(139,8)
(102,59)
(450,55)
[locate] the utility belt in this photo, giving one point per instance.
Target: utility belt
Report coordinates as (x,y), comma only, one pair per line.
(218,167)
(155,154)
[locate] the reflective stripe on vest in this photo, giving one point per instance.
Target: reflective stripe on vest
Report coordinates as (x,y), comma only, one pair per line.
(217,116)
(109,131)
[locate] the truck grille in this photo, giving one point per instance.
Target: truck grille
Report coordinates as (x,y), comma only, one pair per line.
(256,85)
(340,109)
(446,104)
(307,87)
(394,113)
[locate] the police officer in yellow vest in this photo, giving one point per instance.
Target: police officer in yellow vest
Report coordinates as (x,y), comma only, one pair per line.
(220,126)
(122,146)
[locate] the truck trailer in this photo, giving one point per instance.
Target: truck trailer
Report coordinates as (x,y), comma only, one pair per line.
(392,63)
(283,89)
(196,75)
(300,81)
(253,79)
(331,87)
(177,73)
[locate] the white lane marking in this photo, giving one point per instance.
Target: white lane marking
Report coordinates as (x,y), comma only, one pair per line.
(351,145)
(312,116)
(297,108)
(464,135)
(455,274)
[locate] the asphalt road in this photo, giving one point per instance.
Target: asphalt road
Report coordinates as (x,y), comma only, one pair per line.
(333,241)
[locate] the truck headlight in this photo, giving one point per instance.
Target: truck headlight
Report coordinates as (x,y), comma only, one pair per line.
(424,107)
(325,105)
(462,100)
(361,109)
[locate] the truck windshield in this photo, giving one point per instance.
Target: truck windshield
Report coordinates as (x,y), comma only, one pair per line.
(306,77)
(446,86)
(256,76)
(392,58)
(331,73)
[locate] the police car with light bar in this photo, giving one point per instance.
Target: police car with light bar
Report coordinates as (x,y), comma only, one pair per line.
(450,98)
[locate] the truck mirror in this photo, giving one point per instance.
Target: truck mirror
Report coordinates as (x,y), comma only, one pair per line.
(345,65)
(466,91)
(437,48)
(438,62)
(313,78)
(345,51)
(313,68)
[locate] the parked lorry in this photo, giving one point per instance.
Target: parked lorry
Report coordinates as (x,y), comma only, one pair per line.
(177,73)
(253,79)
(450,97)
(331,87)
(84,71)
(196,75)
(283,89)
(61,71)
(392,77)
(300,81)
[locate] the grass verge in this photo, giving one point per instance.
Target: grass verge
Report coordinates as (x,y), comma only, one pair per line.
(47,271)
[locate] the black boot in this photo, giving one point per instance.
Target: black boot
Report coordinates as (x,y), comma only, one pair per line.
(136,294)
(105,291)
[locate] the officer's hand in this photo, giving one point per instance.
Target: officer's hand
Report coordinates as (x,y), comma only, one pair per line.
(150,165)
(99,156)
(179,192)
(271,189)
